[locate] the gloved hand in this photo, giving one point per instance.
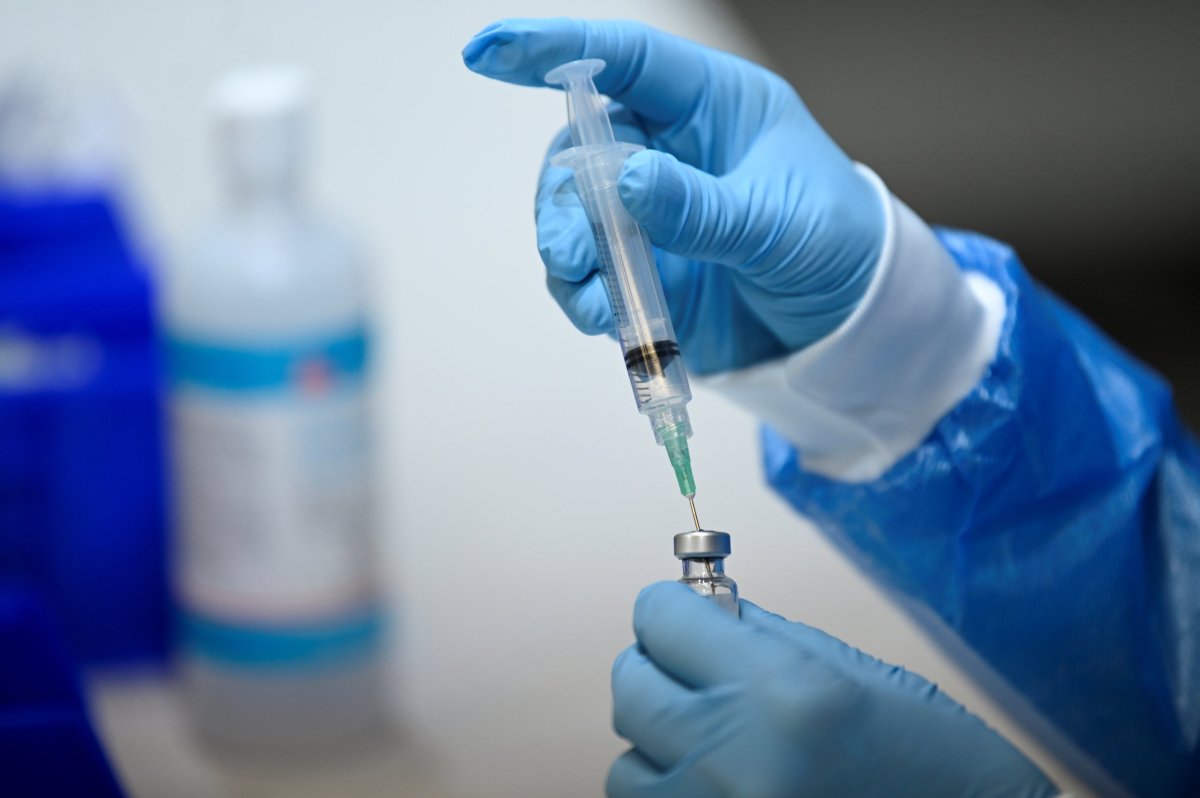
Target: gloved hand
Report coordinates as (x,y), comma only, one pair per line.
(765,707)
(767,235)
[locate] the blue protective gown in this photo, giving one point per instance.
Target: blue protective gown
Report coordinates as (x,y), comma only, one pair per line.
(1051,522)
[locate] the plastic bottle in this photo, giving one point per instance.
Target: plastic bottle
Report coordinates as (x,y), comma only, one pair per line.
(267,350)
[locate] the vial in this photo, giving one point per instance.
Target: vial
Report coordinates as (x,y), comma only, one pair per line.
(703,554)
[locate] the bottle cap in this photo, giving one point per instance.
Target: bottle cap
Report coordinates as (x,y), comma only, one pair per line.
(261,91)
(260,114)
(704,544)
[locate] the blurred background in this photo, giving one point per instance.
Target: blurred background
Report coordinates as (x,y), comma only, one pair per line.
(1064,128)
(518,502)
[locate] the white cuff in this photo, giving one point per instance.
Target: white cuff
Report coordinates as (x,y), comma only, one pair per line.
(858,400)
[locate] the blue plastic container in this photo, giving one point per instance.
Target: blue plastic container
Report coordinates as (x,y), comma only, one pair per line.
(81,461)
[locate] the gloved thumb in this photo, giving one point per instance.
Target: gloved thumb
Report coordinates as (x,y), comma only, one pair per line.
(686,211)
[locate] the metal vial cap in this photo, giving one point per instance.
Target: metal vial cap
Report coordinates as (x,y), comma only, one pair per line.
(701,545)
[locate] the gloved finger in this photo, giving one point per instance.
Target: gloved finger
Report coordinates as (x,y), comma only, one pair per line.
(662,718)
(548,184)
(564,237)
(585,303)
(660,76)
(812,641)
(690,212)
(753,614)
(633,776)
(840,657)
(689,637)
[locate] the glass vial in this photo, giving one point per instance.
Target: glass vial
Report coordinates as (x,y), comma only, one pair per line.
(703,554)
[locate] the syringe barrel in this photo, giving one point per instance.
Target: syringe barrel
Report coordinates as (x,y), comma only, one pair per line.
(630,277)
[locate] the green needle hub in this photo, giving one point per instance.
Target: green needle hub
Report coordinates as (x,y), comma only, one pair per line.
(681,460)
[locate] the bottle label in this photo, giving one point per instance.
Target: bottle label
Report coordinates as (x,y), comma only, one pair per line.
(270,478)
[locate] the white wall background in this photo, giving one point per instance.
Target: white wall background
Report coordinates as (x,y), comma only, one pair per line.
(523,501)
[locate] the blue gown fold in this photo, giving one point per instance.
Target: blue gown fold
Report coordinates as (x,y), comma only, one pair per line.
(1051,522)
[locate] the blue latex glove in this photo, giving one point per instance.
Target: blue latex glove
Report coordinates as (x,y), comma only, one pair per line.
(765,707)
(766,234)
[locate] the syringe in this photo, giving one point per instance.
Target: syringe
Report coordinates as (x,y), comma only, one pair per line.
(652,359)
